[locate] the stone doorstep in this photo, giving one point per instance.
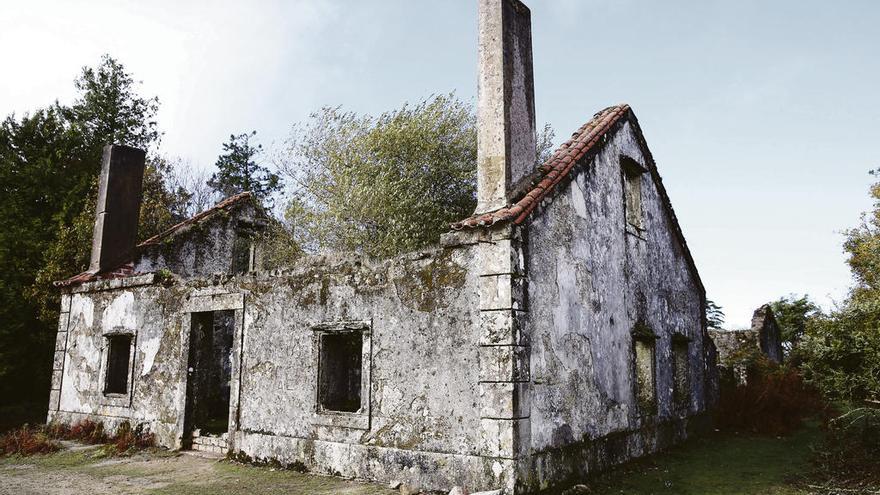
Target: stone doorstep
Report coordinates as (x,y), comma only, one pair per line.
(210,441)
(219,444)
(214,449)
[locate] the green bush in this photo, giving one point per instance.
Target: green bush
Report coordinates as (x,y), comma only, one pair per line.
(849,458)
(840,353)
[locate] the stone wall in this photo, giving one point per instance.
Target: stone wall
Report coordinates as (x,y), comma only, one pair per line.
(421,419)
(203,248)
(769,333)
(504,359)
(592,279)
(151,315)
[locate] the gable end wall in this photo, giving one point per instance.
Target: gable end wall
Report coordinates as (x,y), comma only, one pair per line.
(591,279)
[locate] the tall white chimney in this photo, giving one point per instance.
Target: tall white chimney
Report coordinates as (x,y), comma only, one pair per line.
(506,101)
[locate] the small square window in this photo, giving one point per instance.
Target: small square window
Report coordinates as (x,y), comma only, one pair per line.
(680,373)
(118,358)
(339,375)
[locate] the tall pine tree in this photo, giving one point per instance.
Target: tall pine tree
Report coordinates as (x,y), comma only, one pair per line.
(238,170)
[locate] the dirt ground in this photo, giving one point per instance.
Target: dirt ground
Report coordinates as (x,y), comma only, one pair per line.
(84,470)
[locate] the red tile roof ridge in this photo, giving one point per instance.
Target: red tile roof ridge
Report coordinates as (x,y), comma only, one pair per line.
(226,203)
(545,178)
(126,270)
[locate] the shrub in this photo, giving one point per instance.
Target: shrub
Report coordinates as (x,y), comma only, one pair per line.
(87,431)
(773,400)
(840,353)
(57,430)
(849,457)
(128,439)
(26,441)
(29,440)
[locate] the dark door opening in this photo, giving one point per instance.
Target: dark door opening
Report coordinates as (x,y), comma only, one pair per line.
(209,373)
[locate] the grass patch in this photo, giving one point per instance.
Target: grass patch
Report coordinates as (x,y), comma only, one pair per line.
(232,477)
(718,464)
(60,460)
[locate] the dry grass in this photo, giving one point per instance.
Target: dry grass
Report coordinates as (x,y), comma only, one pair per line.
(43,439)
(774,401)
(26,441)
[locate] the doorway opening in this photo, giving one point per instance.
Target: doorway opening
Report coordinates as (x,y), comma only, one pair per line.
(209,373)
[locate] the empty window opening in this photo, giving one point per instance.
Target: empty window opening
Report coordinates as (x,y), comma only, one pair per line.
(339,376)
(209,372)
(632,191)
(680,373)
(645,377)
(242,254)
(118,357)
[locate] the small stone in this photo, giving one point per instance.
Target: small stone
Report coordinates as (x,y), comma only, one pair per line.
(394,485)
(457,490)
(578,490)
(406,489)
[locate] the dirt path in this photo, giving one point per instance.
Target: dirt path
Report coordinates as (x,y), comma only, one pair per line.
(77,470)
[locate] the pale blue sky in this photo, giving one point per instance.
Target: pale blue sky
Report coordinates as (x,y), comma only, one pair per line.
(762,115)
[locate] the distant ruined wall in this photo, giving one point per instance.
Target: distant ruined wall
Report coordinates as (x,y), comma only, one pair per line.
(592,278)
(769,333)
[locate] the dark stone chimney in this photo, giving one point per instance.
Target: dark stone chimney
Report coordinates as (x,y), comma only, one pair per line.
(119,206)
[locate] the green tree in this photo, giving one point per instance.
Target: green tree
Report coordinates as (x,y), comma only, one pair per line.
(110,110)
(41,156)
(714,314)
(49,163)
(238,170)
(840,353)
(383,185)
(792,314)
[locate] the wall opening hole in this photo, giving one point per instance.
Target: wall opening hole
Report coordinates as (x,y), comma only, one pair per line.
(680,373)
(339,379)
(645,378)
(118,355)
(209,372)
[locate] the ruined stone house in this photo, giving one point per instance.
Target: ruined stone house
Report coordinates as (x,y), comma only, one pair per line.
(737,348)
(557,331)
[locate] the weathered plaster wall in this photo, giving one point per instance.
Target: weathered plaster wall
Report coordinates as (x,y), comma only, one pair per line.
(502,360)
(422,310)
(592,277)
(151,315)
(423,422)
(202,249)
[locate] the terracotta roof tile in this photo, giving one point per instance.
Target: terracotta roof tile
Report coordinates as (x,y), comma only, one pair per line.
(123,271)
(226,203)
(551,173)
